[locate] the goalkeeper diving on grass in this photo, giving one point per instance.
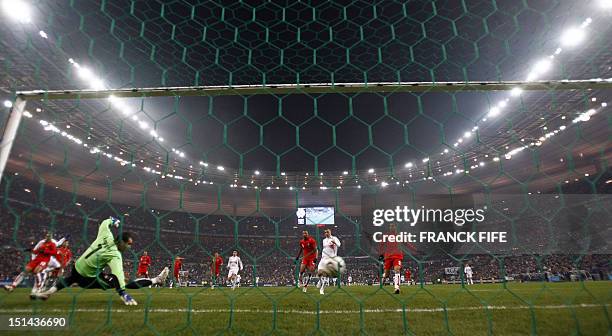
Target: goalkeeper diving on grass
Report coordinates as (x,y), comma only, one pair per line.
(106,250)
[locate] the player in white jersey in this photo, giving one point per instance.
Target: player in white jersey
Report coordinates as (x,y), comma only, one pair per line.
(330,250)
(468,274)
(234,264)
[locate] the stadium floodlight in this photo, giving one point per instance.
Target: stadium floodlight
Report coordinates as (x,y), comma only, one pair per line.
(531,76)
(607,4)
(257,172)
(517,91)
(143,124)
(43,34)
(572,37)
(18,10)
(467,134)
(425,160)
(445,150)
(542,66)
(8,103)
(221,168)
(85,73)
(345,172)
(502,104)
(371,170)
(409,165)
(98,84)
(493,112)
(384,184)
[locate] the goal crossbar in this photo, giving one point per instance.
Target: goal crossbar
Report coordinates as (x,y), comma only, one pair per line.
(316,88)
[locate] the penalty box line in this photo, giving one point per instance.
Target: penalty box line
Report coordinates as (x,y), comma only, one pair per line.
(304,312)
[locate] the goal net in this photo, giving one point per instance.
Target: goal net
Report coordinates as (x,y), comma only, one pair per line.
(479,130)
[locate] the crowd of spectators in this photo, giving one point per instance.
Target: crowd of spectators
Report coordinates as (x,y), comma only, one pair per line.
(268,245)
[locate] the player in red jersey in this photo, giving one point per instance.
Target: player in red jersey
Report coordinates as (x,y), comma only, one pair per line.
(407,276)
(63,257)
(56,264)
(143,265)
(392,256)
(178,264)
(215,270)
(308,245)
(42,254)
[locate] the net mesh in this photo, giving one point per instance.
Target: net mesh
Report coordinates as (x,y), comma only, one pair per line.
(191,174)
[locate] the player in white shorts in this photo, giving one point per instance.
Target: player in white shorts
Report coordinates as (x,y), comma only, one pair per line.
(468,274)
(53,264)
(234,264)
(330,250)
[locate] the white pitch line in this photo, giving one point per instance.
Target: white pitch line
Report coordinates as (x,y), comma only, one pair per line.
(302,312)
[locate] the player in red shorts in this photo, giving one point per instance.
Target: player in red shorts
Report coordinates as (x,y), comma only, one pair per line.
(63,257)
(392,256)
(407,276)
(43,253)
(178,264)
(217,263)
(308,245)
(143,265)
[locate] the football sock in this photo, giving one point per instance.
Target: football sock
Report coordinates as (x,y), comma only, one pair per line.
(18,280)
(396,280)
(40,278)
(307,280)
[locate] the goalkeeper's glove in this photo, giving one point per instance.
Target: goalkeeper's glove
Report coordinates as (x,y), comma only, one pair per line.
(115,221)
(127,299)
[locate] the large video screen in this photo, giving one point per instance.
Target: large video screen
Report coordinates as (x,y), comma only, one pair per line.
(315,215)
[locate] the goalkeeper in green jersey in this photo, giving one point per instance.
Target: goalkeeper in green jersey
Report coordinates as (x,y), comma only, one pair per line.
(106,250)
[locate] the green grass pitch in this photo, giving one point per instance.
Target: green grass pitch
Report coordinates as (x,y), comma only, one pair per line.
(514,309)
